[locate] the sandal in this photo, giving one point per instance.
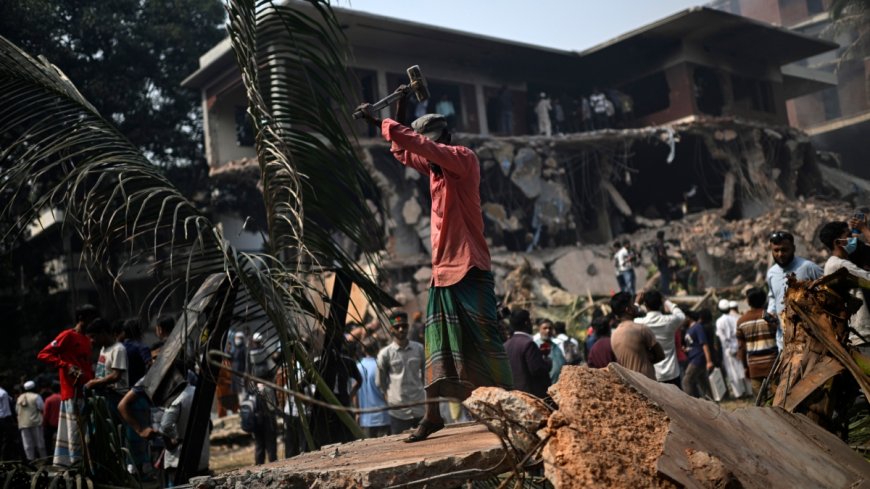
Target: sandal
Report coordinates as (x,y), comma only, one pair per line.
(423,430)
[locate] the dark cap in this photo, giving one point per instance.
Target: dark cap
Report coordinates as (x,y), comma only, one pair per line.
(398,317)
(430,125)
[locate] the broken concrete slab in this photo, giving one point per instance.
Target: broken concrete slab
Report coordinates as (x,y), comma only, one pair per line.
(512,415)
(585,270)
(381,463)
(411,211)
(527,172)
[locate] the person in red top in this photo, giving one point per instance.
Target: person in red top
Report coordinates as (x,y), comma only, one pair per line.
(70,353)
(51,414)
(463,342)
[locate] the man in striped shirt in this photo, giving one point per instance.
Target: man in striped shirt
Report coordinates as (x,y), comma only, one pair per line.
(756,338)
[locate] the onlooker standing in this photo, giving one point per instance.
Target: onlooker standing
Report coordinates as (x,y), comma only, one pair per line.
(663,263)
(542,111)
(138,355)
(550,349)
(837,236)
(726,330)
(70,353)
(601,353)
(506,111)
(446,108)
(162,328)
(374,424)
(111,376)
(239,362)
(29,407)
(530,368)
(400,375)
(50,414)
(634,344)
(8,433)
(266,425)
(570,346)
(260,362)
(785,263)
(598,102)
(700,361)
(664,318)
(756,338)
(625,258)
(174,425)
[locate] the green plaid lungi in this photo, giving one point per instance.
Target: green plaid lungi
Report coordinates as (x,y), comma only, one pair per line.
(464,346)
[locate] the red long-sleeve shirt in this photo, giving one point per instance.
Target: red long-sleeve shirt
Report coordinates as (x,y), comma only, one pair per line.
(69,348)
(456,220)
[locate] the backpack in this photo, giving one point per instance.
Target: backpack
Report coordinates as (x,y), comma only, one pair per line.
(248,414)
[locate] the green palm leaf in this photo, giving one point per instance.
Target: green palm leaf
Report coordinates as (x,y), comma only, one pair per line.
(57,152)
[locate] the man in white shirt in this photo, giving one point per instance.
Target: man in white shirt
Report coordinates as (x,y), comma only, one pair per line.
(110,377)
(663,317)
(625,267)
(726,330)
(837,236)
(785,263)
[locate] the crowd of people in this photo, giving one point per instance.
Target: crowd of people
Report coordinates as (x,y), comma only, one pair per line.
(565,115)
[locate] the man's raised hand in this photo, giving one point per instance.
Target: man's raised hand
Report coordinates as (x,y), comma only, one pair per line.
(368,114)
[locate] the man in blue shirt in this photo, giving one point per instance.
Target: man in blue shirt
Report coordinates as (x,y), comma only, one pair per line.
(785,263)
(369,396)
(697,347)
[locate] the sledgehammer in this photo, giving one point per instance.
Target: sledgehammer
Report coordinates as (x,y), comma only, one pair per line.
(417,85)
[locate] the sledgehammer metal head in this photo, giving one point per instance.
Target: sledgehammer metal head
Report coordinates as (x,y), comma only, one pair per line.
(417,84)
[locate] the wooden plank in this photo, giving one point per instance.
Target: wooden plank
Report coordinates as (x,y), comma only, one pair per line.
(826,368)
(759,447)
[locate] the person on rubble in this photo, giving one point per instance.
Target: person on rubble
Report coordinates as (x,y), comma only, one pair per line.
(663,317)
(625,261)
(726,331)
(634,344)
(663,262)
(542,111)
(838,236)
(785,263)
(463,345)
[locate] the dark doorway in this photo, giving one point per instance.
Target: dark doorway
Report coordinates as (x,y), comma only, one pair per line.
(708,91)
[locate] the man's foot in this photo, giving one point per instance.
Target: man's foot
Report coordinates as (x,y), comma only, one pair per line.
(423,430)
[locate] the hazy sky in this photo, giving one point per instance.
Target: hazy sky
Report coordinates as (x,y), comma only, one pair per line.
(565,24)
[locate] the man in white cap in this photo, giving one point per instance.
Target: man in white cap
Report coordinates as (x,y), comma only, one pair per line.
(29,408)
(463,343)
(726,330)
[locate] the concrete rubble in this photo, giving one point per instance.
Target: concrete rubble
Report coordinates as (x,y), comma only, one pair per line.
(559,202)
(611,428)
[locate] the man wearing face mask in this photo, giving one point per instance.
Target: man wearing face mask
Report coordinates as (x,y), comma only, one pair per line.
(838,237)
(785,264)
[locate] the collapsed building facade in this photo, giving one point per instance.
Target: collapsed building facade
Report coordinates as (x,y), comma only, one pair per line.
(708,133)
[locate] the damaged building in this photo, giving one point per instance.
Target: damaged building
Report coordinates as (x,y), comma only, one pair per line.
(709,132)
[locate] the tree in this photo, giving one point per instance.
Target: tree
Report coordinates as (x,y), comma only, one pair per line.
(128,58)
(126,212)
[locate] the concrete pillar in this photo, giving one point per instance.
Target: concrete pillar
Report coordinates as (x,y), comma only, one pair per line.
(382,84)
(480,100)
